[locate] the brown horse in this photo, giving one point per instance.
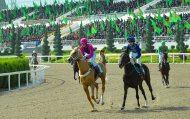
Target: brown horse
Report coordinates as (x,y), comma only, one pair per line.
(164,69)
(87,76)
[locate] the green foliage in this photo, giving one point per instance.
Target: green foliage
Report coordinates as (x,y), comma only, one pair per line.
(45,47)
(109,38)
(13,65)
(57,41)
(149,37)
(18,44)
(81,34)
(179,38)
(13,39)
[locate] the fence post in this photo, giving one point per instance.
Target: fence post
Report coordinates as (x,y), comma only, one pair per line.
(183,58)
(173,58)
(108,59)
(56,59)
(151,58)
(9,81)
(19,80)
(48,59)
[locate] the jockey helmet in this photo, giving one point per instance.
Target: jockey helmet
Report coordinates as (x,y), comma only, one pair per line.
(163,42)
(131,39)
(83,41)
(34,51)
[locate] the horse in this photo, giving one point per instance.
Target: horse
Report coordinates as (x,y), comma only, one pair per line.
(87,76)
(75,68)
(132,79)
(164,69)
(34,60)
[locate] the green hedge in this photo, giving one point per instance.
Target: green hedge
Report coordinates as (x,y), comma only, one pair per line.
(13,65)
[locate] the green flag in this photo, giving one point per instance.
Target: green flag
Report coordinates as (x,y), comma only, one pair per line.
(65,20)
(88,34)
(70,29)
(1,16)
(153,22)
(169,31)
(35,5)
(113,23)
(159,15)
(129,12)
(1,35)
(94,29)
(102,25)
(118,29)
(126,33)
(107,2)
(133,22)
(187,25)
(158,30)
(187,0)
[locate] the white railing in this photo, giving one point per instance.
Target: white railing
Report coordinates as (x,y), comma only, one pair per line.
(172,56)
(36,76)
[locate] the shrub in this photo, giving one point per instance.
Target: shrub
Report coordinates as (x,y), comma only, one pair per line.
(13,65)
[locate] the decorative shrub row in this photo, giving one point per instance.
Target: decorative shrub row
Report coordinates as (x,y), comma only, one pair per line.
(13,65)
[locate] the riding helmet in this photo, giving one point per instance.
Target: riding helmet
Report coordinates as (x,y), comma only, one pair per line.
(83,41)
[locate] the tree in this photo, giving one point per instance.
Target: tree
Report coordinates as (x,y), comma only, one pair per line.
(17,46)
(45,46)
(109,38)
(13,38)
(180,38)
(57,41)
(149,37)
(81,34)
(177,36)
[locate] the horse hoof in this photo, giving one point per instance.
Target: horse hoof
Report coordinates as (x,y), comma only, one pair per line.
(153,98)
(137,107)
(98,101)
(102,103)
(122,108)
(94,110)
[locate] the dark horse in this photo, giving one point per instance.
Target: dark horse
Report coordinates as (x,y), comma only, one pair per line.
(164,69)
(75,68)
(132,79)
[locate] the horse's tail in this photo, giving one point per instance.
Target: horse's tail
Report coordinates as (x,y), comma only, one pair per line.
(103,67)
(147,73)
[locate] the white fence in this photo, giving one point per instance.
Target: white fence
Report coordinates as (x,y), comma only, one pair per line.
(36,76)
(172,57)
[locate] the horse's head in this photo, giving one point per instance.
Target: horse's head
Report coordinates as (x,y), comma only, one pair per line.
(164,57)
(124,59)
(75,55)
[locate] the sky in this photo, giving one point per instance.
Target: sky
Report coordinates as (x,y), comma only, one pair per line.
(30,2)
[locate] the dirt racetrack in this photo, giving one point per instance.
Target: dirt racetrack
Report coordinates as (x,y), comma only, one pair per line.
(61,97)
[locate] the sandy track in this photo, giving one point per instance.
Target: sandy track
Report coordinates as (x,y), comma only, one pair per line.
(61,97)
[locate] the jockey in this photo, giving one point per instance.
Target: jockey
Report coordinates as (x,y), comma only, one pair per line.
(89,53)
(161,50)
(134,53)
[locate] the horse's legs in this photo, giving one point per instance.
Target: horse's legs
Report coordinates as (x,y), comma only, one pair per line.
(92,90)
(103,88)
(96,86)
(124,97)
(74,75)
(163,79)
(143,92)
(137,96)
(150,88)
(88,96)
(167,79)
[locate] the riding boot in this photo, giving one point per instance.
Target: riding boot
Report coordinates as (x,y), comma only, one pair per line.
(98,70)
